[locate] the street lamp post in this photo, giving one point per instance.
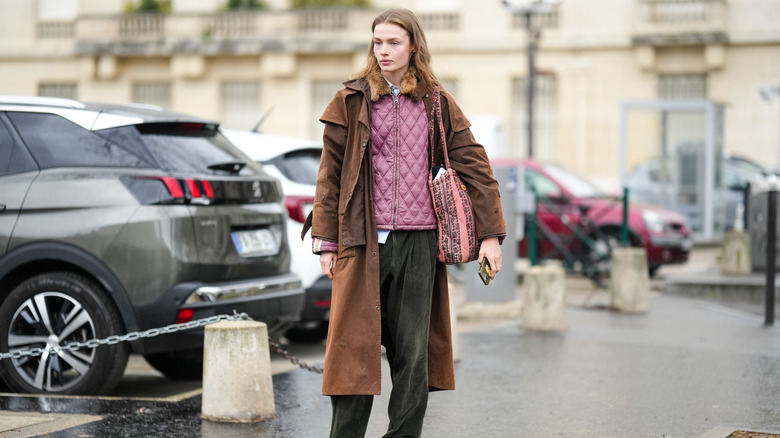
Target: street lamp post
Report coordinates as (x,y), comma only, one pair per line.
(768,93)
(529,8)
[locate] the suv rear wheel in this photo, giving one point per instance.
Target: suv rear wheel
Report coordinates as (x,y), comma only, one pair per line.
(53,310)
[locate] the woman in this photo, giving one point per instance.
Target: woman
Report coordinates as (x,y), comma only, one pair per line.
(374,228)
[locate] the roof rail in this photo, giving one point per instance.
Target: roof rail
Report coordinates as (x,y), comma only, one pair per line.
(41,101)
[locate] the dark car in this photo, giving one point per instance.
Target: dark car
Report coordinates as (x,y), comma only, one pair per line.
(118,219)
(565,197)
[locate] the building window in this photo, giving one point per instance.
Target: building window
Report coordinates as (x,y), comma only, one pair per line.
(67,90)
(689,86)
(240,101)
(152,93)
(322,92)
(545,118)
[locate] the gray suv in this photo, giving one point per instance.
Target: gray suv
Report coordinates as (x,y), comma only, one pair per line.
(116,219)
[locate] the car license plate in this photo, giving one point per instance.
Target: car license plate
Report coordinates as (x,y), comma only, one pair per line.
(255,243)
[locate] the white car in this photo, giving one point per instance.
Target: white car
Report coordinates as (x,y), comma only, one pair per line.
(295,163)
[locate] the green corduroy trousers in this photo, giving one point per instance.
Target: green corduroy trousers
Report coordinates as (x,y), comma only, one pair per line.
(407,264)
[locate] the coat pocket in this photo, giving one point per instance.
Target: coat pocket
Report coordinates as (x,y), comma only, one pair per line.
(346,252)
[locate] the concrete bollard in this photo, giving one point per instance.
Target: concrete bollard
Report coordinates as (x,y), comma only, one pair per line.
(237,384)
(630,285)
(544,299)
(735,254)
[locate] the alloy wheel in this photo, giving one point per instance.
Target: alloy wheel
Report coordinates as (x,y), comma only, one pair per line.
(52,320)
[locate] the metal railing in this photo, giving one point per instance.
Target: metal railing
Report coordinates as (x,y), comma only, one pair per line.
(682,11)
(195,26)
(55,30)
(143,25)
(665,17)
(316,20)
(439,21)
(139,27)
(584,248)
(229,24)
(543,20)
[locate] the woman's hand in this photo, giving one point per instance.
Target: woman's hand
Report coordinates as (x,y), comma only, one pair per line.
(491,250)
(327,259)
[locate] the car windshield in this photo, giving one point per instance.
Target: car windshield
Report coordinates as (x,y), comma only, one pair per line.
(578,187)
(300,166)
(748,167)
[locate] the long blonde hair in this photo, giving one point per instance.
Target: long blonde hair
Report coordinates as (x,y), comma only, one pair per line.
(421,57)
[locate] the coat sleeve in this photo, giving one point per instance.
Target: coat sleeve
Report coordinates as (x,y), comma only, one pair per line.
(470,160)
(325,215)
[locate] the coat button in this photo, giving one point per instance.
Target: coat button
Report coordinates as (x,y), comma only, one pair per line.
(377,307)
(373,253)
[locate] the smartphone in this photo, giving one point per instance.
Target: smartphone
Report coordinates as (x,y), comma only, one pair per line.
(484,271)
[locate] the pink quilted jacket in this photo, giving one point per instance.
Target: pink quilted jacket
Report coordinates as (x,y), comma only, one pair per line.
(399,152)
(399,138)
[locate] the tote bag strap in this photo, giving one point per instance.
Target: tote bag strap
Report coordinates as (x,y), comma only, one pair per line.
(436,113)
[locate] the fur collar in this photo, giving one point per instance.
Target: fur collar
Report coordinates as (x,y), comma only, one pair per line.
(379,86)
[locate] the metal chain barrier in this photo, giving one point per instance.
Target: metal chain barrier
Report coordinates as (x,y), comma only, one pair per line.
(133,336)
(295,361)
(286,354)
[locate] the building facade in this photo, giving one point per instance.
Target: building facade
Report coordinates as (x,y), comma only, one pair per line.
(284,65)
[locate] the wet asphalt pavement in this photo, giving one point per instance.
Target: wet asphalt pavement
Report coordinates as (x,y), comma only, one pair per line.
(682,369)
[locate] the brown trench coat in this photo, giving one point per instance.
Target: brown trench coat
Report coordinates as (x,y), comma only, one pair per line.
(344,212)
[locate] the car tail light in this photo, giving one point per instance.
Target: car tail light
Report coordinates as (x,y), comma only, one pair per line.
(185,315)
(200,195)
(156,190)
(173,187)
(321,303)
(207,189)
(194,190)
(299,207)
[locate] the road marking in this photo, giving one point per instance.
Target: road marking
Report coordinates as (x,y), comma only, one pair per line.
(29,424)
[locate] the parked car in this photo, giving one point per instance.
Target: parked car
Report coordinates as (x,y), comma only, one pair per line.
(565,198)
(295,163)
(117,219)
(649,183)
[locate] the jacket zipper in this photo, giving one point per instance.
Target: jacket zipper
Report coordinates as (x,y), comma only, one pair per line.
(396,165)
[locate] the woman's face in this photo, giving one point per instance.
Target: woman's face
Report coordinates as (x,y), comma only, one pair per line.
(392,49)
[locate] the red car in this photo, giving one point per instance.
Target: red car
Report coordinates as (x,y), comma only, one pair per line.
(579,224)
